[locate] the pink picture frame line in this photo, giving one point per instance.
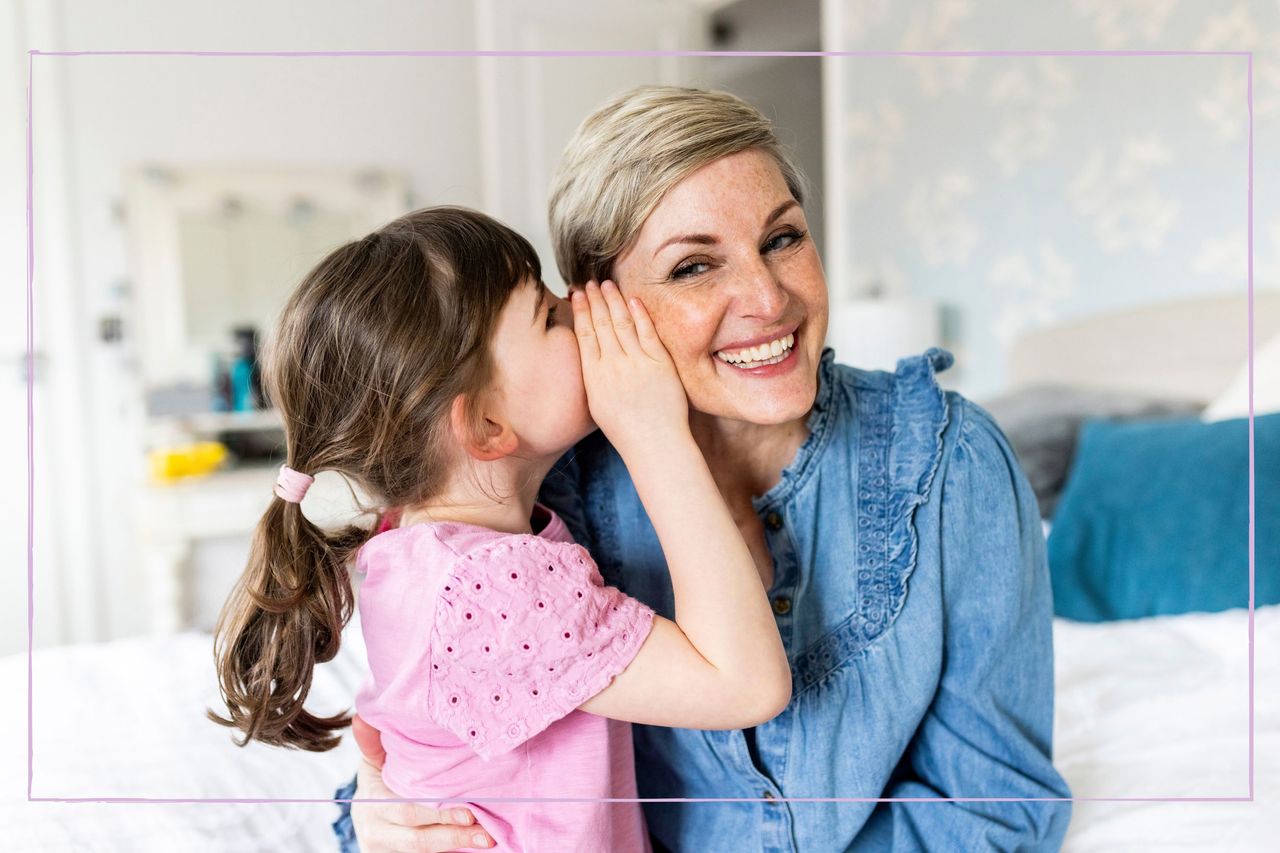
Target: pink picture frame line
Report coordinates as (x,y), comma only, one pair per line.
(1248,55)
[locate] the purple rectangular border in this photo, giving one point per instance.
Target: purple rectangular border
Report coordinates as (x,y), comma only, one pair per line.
(31,55)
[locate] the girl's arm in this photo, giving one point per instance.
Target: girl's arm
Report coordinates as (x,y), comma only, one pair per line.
(721,664)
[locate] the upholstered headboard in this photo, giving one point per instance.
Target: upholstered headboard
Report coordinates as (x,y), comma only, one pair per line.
(1186,349)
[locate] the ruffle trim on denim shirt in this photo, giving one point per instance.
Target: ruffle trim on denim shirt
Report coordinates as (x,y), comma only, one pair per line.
(900,419)
(920,417)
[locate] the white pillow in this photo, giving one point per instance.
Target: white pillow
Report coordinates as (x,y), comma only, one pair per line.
(1234,401)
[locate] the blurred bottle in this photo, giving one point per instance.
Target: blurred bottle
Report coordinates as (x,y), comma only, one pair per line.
(222,400)
(246,379)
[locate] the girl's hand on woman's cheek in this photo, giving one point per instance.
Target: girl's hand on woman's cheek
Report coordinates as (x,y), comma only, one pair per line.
(633,390)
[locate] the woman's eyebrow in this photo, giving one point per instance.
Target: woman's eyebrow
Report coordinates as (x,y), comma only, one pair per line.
(781,209)
(700,239)
(708,240)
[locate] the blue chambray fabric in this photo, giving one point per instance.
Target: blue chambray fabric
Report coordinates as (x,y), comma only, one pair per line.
(914,602)
(344,830)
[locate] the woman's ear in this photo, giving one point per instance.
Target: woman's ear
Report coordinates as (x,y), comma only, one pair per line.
(489,439)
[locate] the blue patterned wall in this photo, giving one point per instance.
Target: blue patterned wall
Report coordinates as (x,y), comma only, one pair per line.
(1020,191)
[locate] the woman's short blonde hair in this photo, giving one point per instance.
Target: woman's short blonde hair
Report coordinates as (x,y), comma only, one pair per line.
(629,152)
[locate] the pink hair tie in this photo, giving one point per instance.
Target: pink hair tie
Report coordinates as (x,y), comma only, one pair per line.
(292,485)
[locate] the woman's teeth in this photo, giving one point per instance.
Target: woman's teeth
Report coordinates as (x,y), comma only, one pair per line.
(760,355)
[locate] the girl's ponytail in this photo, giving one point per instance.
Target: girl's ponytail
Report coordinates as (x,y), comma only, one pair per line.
(284,616)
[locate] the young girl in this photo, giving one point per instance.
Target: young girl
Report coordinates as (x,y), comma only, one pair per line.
(428,363)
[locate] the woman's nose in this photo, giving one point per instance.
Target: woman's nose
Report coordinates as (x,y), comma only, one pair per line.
(760,293)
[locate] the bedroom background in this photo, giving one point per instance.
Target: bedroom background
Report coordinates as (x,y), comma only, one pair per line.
(975,203)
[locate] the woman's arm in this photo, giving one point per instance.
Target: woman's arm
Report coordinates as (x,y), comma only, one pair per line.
(721,664)
(989,730)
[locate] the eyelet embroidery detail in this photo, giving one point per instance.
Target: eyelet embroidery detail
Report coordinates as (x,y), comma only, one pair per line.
(550,663)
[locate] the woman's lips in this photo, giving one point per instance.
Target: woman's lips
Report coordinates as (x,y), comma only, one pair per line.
(784,363)
(756,341)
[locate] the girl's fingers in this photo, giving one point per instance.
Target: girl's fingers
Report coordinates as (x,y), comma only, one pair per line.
(583,327)
(623,325)
(603,322)
(645,332)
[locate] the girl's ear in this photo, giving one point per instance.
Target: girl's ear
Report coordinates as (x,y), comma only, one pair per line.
(492,439)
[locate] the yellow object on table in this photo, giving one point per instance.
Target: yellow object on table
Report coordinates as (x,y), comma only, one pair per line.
(174,463)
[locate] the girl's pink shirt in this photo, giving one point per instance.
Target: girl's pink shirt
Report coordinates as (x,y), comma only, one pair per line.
(481,647)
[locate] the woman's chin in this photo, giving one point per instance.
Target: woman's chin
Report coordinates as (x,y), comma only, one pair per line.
(762,403)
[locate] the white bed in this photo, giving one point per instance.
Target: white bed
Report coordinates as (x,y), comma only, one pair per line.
(1148,708)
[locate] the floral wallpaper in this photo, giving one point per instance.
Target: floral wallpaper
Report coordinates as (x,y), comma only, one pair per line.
(1022,191)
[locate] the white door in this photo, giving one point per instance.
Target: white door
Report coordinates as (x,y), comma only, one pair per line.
(13,392)
(66,601)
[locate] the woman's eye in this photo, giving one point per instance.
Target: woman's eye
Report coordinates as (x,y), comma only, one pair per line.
(690,270)
(783,240)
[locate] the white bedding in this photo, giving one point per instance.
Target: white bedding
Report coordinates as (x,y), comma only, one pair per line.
(126,719)
(1154,707)
(1159,708)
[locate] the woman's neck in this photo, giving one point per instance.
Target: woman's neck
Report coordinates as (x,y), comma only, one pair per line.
(746,459)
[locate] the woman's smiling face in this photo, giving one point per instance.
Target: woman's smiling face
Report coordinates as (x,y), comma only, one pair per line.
(727,269)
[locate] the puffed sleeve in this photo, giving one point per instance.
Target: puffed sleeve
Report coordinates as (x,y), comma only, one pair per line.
(989,730)
(525,631)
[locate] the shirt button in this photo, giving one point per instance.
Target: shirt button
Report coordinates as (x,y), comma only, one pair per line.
(774,521)
(782,605)
(768,795)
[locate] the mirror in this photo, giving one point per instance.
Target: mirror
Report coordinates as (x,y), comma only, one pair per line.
(240,262)
(216,249)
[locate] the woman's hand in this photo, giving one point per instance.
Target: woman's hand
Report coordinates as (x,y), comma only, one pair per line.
(404,827)
(633,390)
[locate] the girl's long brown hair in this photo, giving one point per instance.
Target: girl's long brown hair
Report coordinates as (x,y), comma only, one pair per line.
(368,356)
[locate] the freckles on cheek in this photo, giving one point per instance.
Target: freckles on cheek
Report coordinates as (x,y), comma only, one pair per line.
(693,326)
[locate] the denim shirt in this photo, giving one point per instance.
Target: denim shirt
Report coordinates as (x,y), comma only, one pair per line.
(912,594)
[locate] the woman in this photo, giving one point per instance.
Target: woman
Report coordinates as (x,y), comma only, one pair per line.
(897,538)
